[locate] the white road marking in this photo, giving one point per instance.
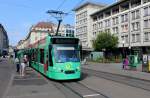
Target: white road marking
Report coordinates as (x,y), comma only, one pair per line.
(91,95)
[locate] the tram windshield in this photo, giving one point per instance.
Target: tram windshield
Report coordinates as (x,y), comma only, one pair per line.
(66,53)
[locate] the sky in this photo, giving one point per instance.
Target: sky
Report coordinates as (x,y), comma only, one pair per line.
(17,16)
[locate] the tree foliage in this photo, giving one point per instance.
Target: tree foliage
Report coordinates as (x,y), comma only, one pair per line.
(105,41)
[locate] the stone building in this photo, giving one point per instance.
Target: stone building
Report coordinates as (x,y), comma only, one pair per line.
(83,22)
(4,42)
(127,19)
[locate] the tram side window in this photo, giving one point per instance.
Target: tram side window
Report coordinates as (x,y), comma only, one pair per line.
(42,56)
(36,55)
(50,58)
(32,56)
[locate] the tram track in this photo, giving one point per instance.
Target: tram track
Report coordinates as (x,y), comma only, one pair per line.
(75,89)
(127,80)
(83,91)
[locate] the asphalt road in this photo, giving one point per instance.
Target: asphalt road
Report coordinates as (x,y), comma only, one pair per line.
(127,80)
(92,85)
(6,69)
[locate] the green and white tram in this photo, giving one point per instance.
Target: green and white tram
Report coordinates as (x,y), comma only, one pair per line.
(56,57)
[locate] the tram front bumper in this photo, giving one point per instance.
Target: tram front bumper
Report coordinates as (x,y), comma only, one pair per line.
(65,75)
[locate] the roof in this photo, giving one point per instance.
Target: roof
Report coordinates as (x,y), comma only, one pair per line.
(43,25)
(107,7)
(88,3)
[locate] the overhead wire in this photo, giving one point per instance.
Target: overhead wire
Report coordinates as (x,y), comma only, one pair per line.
(61,4)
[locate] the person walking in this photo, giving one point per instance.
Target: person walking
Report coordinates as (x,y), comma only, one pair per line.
(17,64)
(125,63)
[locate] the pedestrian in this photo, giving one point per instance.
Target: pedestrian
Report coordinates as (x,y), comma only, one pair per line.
(125,63)
(17,64)
(23,65)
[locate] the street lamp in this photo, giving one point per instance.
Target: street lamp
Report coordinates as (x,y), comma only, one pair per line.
(123,42)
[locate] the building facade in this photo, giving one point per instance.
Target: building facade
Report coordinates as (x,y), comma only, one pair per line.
(127,19)
(4,42)
(83,22)
(37,32)
(41,30)
(65,30)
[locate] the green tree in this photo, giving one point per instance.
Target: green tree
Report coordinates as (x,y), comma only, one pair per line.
(105,40)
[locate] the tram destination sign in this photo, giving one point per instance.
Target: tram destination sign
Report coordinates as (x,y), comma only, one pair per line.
(65,41)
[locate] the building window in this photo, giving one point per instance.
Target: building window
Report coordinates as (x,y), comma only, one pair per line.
(124,18)
(95,27)
(136,14)
(100,16)
(138,38)
(146,1)
(122,37)
(133,15)
(95,18)
(126,39)
(133,38)
(115,20)
(126,28)
(115,30)
(101,24)
(146,11)
(135,26)
(146,23)
(146,36)
(107,23)
(94,33)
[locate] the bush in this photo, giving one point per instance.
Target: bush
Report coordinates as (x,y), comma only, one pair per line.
(112,59)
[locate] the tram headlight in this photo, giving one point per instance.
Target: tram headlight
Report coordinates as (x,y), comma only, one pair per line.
(59,69)
(78,68)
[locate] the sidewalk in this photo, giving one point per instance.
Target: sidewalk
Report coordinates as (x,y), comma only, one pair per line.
(116,68)
(33,85)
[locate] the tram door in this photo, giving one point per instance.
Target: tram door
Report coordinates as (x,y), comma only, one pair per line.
(47,61)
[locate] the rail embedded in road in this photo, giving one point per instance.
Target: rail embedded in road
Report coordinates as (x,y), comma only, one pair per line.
(77,90)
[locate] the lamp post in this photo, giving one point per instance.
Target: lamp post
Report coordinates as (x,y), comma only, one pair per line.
(129,50)
(123,52)
(104,54)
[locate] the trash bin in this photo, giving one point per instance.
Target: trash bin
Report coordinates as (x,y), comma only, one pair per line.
(133,61)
